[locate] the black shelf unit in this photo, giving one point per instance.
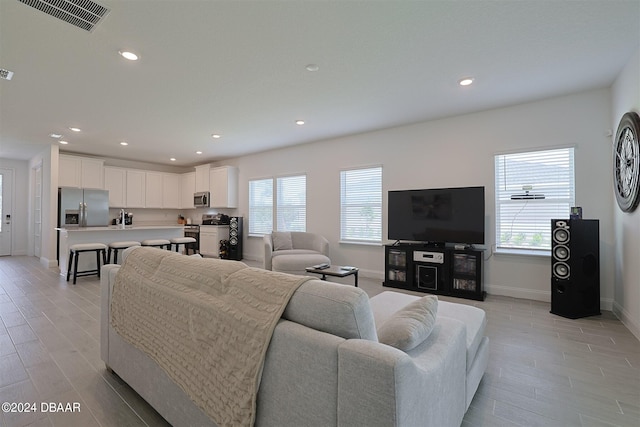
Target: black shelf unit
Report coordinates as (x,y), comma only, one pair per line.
(435,269)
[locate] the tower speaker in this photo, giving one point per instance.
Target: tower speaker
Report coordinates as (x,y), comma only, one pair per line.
(235,238)
(575,268)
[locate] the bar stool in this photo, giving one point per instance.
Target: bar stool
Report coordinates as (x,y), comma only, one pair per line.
(188,242)
(157,243)
(116,246)
(76,250)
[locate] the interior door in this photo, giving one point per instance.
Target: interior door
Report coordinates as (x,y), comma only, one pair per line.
(6,199)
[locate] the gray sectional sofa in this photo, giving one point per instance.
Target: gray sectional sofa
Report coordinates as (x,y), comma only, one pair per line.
(325,365)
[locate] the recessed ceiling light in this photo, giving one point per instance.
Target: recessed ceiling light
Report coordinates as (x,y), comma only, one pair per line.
(128,55)
(215,136)
(173,159)
(124,143)
(75,129)
(312,67)
(55,135)
(300,122)
(466,81)
(63,142)
(198,152)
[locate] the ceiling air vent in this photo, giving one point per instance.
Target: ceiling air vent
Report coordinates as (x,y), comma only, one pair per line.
(84,14)
(5,74)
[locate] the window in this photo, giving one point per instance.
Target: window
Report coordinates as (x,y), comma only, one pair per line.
(260,206)
(289,211)
(531,189)
(361,205)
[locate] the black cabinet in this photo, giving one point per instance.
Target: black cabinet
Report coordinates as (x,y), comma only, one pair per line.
(436,270)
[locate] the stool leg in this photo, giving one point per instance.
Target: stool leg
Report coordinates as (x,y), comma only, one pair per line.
(69,265)
(115,256)
(75,267)
(177,247)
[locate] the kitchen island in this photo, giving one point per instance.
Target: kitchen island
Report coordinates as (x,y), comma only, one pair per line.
(73,235)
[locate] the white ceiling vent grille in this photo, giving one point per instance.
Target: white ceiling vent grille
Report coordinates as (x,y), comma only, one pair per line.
(84,14)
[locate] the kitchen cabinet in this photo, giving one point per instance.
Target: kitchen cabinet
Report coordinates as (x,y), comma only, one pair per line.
(136,188)
(210,236)
(115,182)
(223,185)
(162,190)
(153,190)
(80,172)
(171,186)
(202,177)
(188,184)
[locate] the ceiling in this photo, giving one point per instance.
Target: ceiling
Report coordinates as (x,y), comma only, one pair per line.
(238,69)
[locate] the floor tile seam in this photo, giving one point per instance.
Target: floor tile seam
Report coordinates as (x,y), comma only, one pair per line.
(542,411)
(77,306)
(77,390)
(595,418)
(121,397)
(525,410)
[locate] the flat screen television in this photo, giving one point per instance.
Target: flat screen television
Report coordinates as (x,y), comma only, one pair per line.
(437,216)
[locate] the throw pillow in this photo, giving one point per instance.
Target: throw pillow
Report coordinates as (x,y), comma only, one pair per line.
(281,240)
(411,325)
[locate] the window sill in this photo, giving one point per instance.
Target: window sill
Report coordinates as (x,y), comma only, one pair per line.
(522,252)
(356,242)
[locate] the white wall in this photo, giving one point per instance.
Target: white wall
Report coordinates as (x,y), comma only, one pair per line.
(20,203)
(48,158)
(452,152)
(626,97)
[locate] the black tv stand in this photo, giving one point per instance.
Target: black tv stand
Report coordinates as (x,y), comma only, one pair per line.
(425,267)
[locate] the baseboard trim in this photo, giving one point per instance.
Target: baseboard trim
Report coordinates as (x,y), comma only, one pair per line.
(626,320)
(48,263)
(507,291)
(536,295)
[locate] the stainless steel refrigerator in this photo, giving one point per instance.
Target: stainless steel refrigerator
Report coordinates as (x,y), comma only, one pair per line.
(79,207)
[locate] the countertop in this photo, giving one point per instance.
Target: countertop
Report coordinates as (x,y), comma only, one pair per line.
(118,228)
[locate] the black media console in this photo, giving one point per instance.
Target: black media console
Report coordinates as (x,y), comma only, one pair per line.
(436,270)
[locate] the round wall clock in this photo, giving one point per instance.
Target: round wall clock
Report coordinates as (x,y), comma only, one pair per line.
(626,162)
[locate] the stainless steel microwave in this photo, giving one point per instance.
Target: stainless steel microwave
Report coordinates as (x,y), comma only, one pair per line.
(201,200)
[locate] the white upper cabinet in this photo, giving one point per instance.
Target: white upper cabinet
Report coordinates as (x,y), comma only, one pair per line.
(223,185)
(188,188)
(115,181)
(171,190)
(136,186)
(80,172)
(202,178)
(153,190)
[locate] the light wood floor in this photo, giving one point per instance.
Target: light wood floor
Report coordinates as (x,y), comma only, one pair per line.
(544,370)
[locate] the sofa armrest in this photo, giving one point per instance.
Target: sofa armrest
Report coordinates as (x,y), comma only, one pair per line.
(323,245)
(268,251)
(107,279)
(425,386)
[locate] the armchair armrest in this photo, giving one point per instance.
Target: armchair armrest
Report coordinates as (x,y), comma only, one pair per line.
(268,251)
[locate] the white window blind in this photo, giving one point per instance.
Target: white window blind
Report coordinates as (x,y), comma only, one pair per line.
(361,205)
(260,206)
(531,189)
(291,208)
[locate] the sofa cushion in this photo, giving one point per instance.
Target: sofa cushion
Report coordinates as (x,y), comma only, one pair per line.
(475,320)
(385,304)
(295,260)
(281,240)
(410,325)
(332,308)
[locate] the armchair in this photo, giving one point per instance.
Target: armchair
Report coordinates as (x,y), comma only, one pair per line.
(291,252)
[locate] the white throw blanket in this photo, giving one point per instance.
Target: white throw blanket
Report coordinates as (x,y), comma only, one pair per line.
(207,323)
